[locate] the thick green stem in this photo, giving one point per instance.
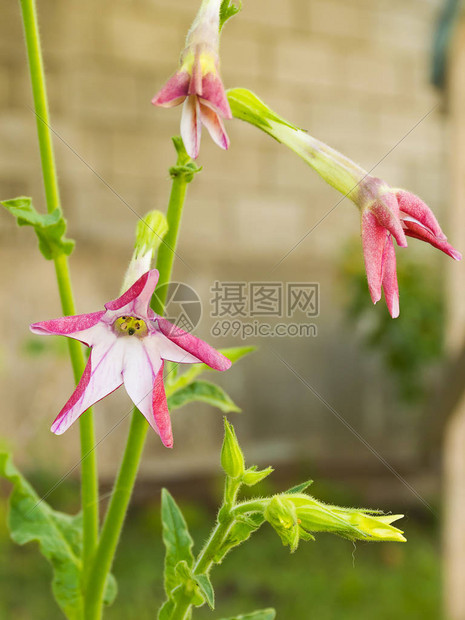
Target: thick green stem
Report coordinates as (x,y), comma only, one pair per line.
(124,484)
(89,463)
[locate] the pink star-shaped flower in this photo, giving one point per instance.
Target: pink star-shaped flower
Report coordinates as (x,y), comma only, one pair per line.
(129,343)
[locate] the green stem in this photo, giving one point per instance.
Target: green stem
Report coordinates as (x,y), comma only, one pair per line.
(89,464)
(124,484)
(205,559)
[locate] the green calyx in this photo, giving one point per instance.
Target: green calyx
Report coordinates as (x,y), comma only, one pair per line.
(185,166)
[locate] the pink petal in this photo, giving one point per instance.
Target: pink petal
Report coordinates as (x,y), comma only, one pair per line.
(189,343)
(102,375)
(390,287)
(214,124)
(417,231)
(140,367)
(170,351)
(191,126)
(136,300)
(213,92)
(160,410)
(386,211)
(174,91)
(77,327)
(414,206)
(373,240)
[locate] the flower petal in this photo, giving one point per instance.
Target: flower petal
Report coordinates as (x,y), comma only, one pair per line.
(373,239)
(390,287)
(79,327)
(189,343)
(414,206)
(135,300)
(213,92)
(141,372)
(174,91)
(191,126)
(102,375)
(418,231)
(160,410)
(386,211)
(212,121)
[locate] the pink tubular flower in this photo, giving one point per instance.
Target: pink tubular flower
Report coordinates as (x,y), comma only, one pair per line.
(129,343)
(388,213)
(197,83)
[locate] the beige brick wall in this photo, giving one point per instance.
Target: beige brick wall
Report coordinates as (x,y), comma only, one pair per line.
(353,72)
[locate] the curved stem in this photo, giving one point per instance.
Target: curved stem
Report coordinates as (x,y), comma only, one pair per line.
(205,559)
(127,473)
(89,478)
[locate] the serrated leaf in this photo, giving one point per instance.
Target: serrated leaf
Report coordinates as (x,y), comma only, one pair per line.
(203,391)
(263,614)
(50,227)
(205,586)
(178,541)
(227,10)
(56,533)
(300,488)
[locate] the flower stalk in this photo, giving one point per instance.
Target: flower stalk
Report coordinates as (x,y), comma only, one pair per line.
(89,477)
(181,175)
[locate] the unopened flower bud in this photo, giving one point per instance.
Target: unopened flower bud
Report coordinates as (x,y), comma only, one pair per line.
(232,459)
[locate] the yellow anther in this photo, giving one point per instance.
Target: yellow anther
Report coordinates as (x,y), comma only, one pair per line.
(130,326)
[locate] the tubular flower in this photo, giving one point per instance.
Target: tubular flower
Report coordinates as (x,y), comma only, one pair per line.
(388,214)
(197,83)
(129,343)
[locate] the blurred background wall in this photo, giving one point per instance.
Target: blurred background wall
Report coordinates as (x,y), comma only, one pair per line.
(356,75)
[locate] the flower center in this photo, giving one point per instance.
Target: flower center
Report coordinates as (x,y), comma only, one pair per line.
(130,326)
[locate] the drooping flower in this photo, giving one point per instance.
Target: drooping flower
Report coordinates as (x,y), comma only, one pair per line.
(197,83)
(386,213)
(129,344)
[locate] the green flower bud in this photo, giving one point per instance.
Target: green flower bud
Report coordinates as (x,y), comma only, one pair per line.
(281,514)
(352,523)
(149,235)
(232,458)
(253,476)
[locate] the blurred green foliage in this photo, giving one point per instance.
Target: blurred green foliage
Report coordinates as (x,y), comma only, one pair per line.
(332,578)
(412,343)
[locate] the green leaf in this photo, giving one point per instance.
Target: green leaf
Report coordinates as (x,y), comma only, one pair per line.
(202,391)
(178,541)
(234,354)
(242,529)
(58,536)
(166,610)
(227,10)
(111,590)
(174,381)
(204,583)
(263,614)
(50,228)
(300,488)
